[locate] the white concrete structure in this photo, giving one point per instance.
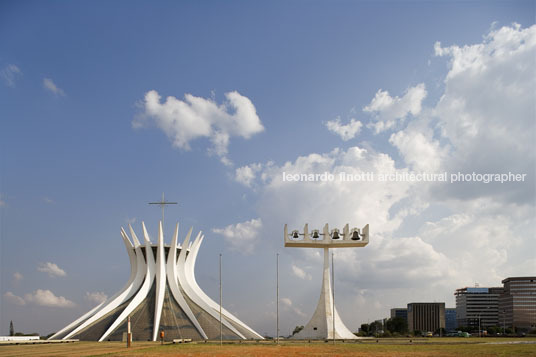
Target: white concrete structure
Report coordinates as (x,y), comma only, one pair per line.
(19,338)
(322,325)
(161,294)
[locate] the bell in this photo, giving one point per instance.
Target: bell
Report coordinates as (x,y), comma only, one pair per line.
(335,235)
(355,235)
(315,234)
(295,235)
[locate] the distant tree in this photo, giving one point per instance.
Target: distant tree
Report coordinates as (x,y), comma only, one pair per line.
(11,329)
(297,329)
(48,336)
(493,330)
(364,330)
(375,327)
(396,324)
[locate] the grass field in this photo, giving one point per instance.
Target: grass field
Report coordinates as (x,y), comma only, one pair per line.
(384,347)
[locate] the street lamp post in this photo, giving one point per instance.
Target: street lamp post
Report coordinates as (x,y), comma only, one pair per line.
(333,291)
(277,298)
(504,322)
(221,327)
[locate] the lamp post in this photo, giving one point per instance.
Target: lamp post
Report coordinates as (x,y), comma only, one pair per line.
(277,297)
(221,327)
(504,322)
(333,286)
(479,321)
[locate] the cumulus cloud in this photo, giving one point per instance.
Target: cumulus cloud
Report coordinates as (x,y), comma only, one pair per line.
(96,297)
(184,121)
(39,297)
(49,85)
(47,298)
(419,149)
(17,276)
(487,111)
(300,273)
(346,131)
(246,174)
(51,269)
(14,299)
(388,111)
(10,74)
(241,237)
(300,202)
(288,306)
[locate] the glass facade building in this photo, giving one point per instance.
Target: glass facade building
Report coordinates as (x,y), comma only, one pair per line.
(517,303)
(450,319)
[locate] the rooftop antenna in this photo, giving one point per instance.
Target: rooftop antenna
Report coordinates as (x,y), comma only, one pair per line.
(162,204)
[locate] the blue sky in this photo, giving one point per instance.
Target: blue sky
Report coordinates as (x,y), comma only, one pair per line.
(81,153)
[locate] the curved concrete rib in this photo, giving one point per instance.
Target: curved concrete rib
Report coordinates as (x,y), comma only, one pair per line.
(122,295)
(190,271)
(185,282)
(160,281)
(143,291)
(171,268)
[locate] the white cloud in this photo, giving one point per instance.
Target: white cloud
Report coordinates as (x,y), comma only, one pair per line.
(48,200)
(51,269)
(246,174)
(47,298)
(300,273)
(286,301)
(487,112)
(49,85)
(17,276)
(39,297)
(241,237)
(347,131)
(288,306)
(9,74)
(419,149)
(388,111)
(96,297)
(184,121)
(14,299)
(297,203)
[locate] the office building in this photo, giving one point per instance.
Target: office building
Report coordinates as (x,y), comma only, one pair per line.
(450,319)
(517,303)
(426,316)
(477,306)
(400,312)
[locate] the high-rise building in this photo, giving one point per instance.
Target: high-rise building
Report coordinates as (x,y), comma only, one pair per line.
(517,303)
(477,306)
(426,316)
(400,312)
(450,319)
